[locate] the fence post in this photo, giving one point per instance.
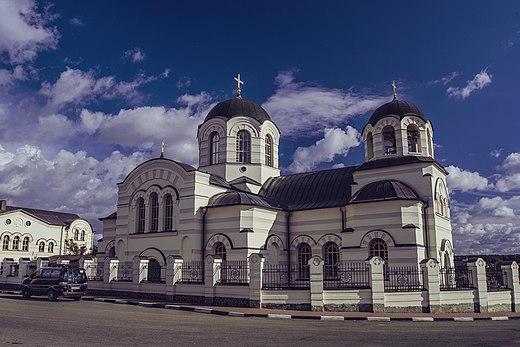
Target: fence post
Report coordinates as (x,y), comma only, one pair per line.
(430,273)
(511,270)
(139,273)
(173,269)
(316,282)
(256,266)
(23,267)
(211,277)
(7,265)
(42,262)
(377,283)
(111,264)
(87,263)
(478,272)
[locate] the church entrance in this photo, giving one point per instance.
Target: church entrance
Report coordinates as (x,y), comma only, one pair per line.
(154,271)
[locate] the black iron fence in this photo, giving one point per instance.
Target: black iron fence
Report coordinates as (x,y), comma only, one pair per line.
(455,279)
(234,272)
(124,271)
(403,279)
(496,280)
(95,272)
(346,276)
(283,276)
(191,272)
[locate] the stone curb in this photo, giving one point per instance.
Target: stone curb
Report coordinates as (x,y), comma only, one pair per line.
(206,310)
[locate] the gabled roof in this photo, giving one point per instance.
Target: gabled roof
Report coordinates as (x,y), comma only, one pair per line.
(321,189)
(49,217)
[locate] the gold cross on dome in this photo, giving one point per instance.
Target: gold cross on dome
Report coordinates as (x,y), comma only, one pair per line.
(394,87)
(163,146)
(239,82)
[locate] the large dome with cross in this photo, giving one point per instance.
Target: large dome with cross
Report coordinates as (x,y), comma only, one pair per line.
(238,107)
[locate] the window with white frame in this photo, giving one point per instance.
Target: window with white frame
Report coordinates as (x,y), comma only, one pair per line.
(214,147)
(168,212)
(331,259)
(141,214)
(378,248)
(243,147)
(304,255)
(5,242)
(154,212)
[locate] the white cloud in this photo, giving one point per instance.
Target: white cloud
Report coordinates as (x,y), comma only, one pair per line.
(496,152)
(78,87)
(76,21)
(135,55)
(297,108)
(480,81)
(335,142)
(24,32)
(510,179)
(462,180)
(447,78)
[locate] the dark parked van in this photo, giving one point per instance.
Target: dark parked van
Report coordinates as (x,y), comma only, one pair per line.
(56,281)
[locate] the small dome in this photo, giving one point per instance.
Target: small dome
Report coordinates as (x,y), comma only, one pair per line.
(230,198)
(385,190)
(398,108)
(238,107)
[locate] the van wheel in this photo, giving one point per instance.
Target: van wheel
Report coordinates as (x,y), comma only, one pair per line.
(26,293)
(51,295)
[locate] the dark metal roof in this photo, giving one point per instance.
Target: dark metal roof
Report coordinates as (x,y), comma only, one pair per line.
(385,190)
(244,179)
(49,217)
(230,198)
(398,108)
(393,161)
(112,216)
(219,181)
(310,190)
(238,107)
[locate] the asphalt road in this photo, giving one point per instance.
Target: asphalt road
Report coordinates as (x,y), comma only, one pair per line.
(37,322)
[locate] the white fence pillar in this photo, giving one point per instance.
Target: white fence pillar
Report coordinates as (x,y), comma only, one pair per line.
(140,269)
(7,266)
(173,269)
(111,268)
(211,277)
(89,264)
(42,262)
(430,272)
(511,270)
(23,267)
(377,283)
(316,282)
(478,272)
(256,267)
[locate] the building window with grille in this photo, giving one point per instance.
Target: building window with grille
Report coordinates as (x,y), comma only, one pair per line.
(413,139)
(141,213)
(304,255)
(25,244)
(168,213)
(76,234)
(220,250)
(243,147)
(331,259)
(389,142)
(154,213)
(50,247)
(5,243)
(214,148)
(378,248)
(41,247)
(82,235)
(16,243)
(268,150)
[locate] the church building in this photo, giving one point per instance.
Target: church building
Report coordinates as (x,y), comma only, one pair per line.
(394,205)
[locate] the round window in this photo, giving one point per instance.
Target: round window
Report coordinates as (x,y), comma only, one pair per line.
(243,169)
(28,223)
(8,221)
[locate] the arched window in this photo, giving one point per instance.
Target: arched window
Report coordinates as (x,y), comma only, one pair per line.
(154,213)
(25,244)
(214,148)
(141,213)
(82,235)
(76,234)
(220,250)
(331,259)
(389,140)
(5,244)
(112,251)
(268,150)
(243,147)
(50,247)
(16,243)
(154,271)
(304,255)
(41,247)
(414,142)
(168,212)
(370,146)
(430,152)
(378,248)
(447,262)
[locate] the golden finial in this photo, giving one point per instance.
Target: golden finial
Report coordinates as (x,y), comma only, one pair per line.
(239,82)
(163,146)
(394,87)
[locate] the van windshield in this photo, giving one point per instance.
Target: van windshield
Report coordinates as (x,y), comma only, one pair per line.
(75,275)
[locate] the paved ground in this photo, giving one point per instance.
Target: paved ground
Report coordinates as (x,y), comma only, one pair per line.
(38,322)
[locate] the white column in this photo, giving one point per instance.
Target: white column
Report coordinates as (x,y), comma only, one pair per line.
(174,269)
(377,283)
(111,268)
(211,277)
(23,267)
(478,273)
(140,273)
(42,262)
(316,282)
(511,270)
(430,272)
(89,265)
(256,266)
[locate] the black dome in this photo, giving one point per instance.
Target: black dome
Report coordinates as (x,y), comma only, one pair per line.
(238,107)
(230,198)
(398,108)
(385,190)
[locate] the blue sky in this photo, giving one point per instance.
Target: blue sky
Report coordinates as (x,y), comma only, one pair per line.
(89,89)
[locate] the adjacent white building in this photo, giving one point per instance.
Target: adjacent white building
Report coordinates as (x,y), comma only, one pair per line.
(394,205)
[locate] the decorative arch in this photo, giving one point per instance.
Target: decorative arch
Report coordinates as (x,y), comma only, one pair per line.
(273,239)
(219,238)
(302,238)
(244,125)
(269,128)
(408,120)
(441,198)
(446,254)
(210,129)
(389,134)
(377,234)
(329,238)
(109,246)
(154,253)
(391,121)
